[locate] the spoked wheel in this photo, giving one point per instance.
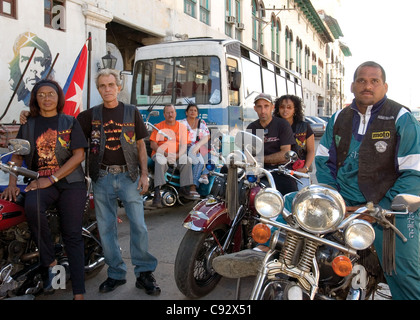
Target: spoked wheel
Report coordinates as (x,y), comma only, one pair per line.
(194,274)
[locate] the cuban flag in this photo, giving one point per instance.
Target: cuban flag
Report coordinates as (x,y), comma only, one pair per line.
(73,90)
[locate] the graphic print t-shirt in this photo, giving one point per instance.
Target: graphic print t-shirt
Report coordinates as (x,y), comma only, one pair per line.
(46,132)
(113,122)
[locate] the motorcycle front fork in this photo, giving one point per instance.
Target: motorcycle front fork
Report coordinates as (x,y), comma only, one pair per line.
(231,232)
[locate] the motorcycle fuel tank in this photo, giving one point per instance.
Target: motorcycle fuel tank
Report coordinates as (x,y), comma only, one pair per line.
(11,214)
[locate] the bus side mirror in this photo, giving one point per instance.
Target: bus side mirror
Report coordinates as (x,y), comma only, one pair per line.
(235,80)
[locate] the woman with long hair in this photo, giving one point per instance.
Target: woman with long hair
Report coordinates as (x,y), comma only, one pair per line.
(289,107)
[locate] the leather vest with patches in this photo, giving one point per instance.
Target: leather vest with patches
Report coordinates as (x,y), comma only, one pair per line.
(62,145)
(127,139)
(377,152)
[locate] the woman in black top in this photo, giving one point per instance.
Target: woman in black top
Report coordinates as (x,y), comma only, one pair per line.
(289,107)
(57,150)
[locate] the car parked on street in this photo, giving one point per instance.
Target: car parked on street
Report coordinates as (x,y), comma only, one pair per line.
(317,124)
(325,118)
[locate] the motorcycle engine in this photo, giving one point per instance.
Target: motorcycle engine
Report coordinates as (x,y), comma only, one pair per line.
(14,243)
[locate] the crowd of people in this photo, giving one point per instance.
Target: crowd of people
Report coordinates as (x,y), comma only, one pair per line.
(116,132)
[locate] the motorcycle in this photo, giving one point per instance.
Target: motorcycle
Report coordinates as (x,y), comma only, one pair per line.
(321,252)
(170,190)
(20,271)
(223,222)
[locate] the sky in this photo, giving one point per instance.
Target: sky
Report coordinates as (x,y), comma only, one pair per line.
(387,32)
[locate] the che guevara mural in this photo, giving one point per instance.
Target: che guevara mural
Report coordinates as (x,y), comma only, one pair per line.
(38,68)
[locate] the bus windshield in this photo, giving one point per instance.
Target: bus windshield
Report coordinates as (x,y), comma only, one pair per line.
(177,81)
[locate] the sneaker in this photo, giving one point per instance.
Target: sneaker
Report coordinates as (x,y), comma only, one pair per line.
(188,194)
(48,289)
(147,281)
(239,264)
(204,180)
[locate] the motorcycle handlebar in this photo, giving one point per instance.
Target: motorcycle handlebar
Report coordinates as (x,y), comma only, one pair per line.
(24,172)
(158,131)
(19,171)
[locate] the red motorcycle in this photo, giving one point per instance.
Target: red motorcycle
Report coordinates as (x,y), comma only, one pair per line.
(223,222)
(20,272)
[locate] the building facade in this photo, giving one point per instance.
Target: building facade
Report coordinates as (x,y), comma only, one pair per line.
(293,33)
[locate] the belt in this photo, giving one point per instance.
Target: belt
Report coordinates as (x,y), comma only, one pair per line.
(115,169)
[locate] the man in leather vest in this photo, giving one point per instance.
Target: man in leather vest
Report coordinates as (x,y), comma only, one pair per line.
(370,152)
(116,152)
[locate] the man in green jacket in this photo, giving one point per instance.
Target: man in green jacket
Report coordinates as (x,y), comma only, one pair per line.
(371,152)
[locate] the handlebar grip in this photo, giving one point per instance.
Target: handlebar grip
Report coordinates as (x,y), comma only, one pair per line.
(25,172)
(300,174)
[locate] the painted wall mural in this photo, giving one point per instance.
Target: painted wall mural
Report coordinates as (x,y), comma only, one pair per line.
(38,68)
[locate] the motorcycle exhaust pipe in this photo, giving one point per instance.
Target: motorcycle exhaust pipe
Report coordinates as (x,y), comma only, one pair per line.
(98,263)
(29,256)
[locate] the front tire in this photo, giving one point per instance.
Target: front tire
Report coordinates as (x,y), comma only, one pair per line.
(194,274)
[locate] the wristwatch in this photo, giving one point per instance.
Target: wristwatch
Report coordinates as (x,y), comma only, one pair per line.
(54,177)
(307,170)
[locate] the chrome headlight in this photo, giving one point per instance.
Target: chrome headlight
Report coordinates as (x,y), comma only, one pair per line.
(359,234)
(318,208)
(269,203)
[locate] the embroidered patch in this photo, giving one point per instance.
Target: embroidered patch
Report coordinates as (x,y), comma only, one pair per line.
(64,138)
(337,140)
(381,135)
(130,137)
(385,117)
(381,146)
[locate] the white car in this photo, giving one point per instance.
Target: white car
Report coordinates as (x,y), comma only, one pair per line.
(317,125)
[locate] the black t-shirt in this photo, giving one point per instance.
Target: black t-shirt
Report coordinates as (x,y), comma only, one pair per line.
(276,134)
(112,123)
(45,133)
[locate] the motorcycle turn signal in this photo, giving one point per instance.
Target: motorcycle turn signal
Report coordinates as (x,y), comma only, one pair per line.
(261,233)
(342,266)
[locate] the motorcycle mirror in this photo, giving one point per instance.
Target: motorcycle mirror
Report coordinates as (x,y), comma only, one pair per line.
(153,113)
(407,202)
(19,146)
(291,156)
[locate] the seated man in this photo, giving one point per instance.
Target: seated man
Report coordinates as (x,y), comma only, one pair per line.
(174,151)
(278,138)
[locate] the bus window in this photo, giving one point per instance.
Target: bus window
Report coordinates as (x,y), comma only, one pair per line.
(252,77)
(177,81)
(269,81)
(281,85)
(233,92)
(291,87)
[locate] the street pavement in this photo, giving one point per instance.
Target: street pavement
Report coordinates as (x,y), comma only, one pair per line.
(165,233)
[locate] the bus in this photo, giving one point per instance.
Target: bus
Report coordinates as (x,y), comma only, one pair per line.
(221,76)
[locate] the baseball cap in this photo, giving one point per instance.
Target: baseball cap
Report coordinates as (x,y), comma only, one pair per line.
(263,96)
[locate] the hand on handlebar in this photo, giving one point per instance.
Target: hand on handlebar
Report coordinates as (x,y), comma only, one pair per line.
(10,193)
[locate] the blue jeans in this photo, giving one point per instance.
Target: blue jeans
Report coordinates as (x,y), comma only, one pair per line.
(106,190)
